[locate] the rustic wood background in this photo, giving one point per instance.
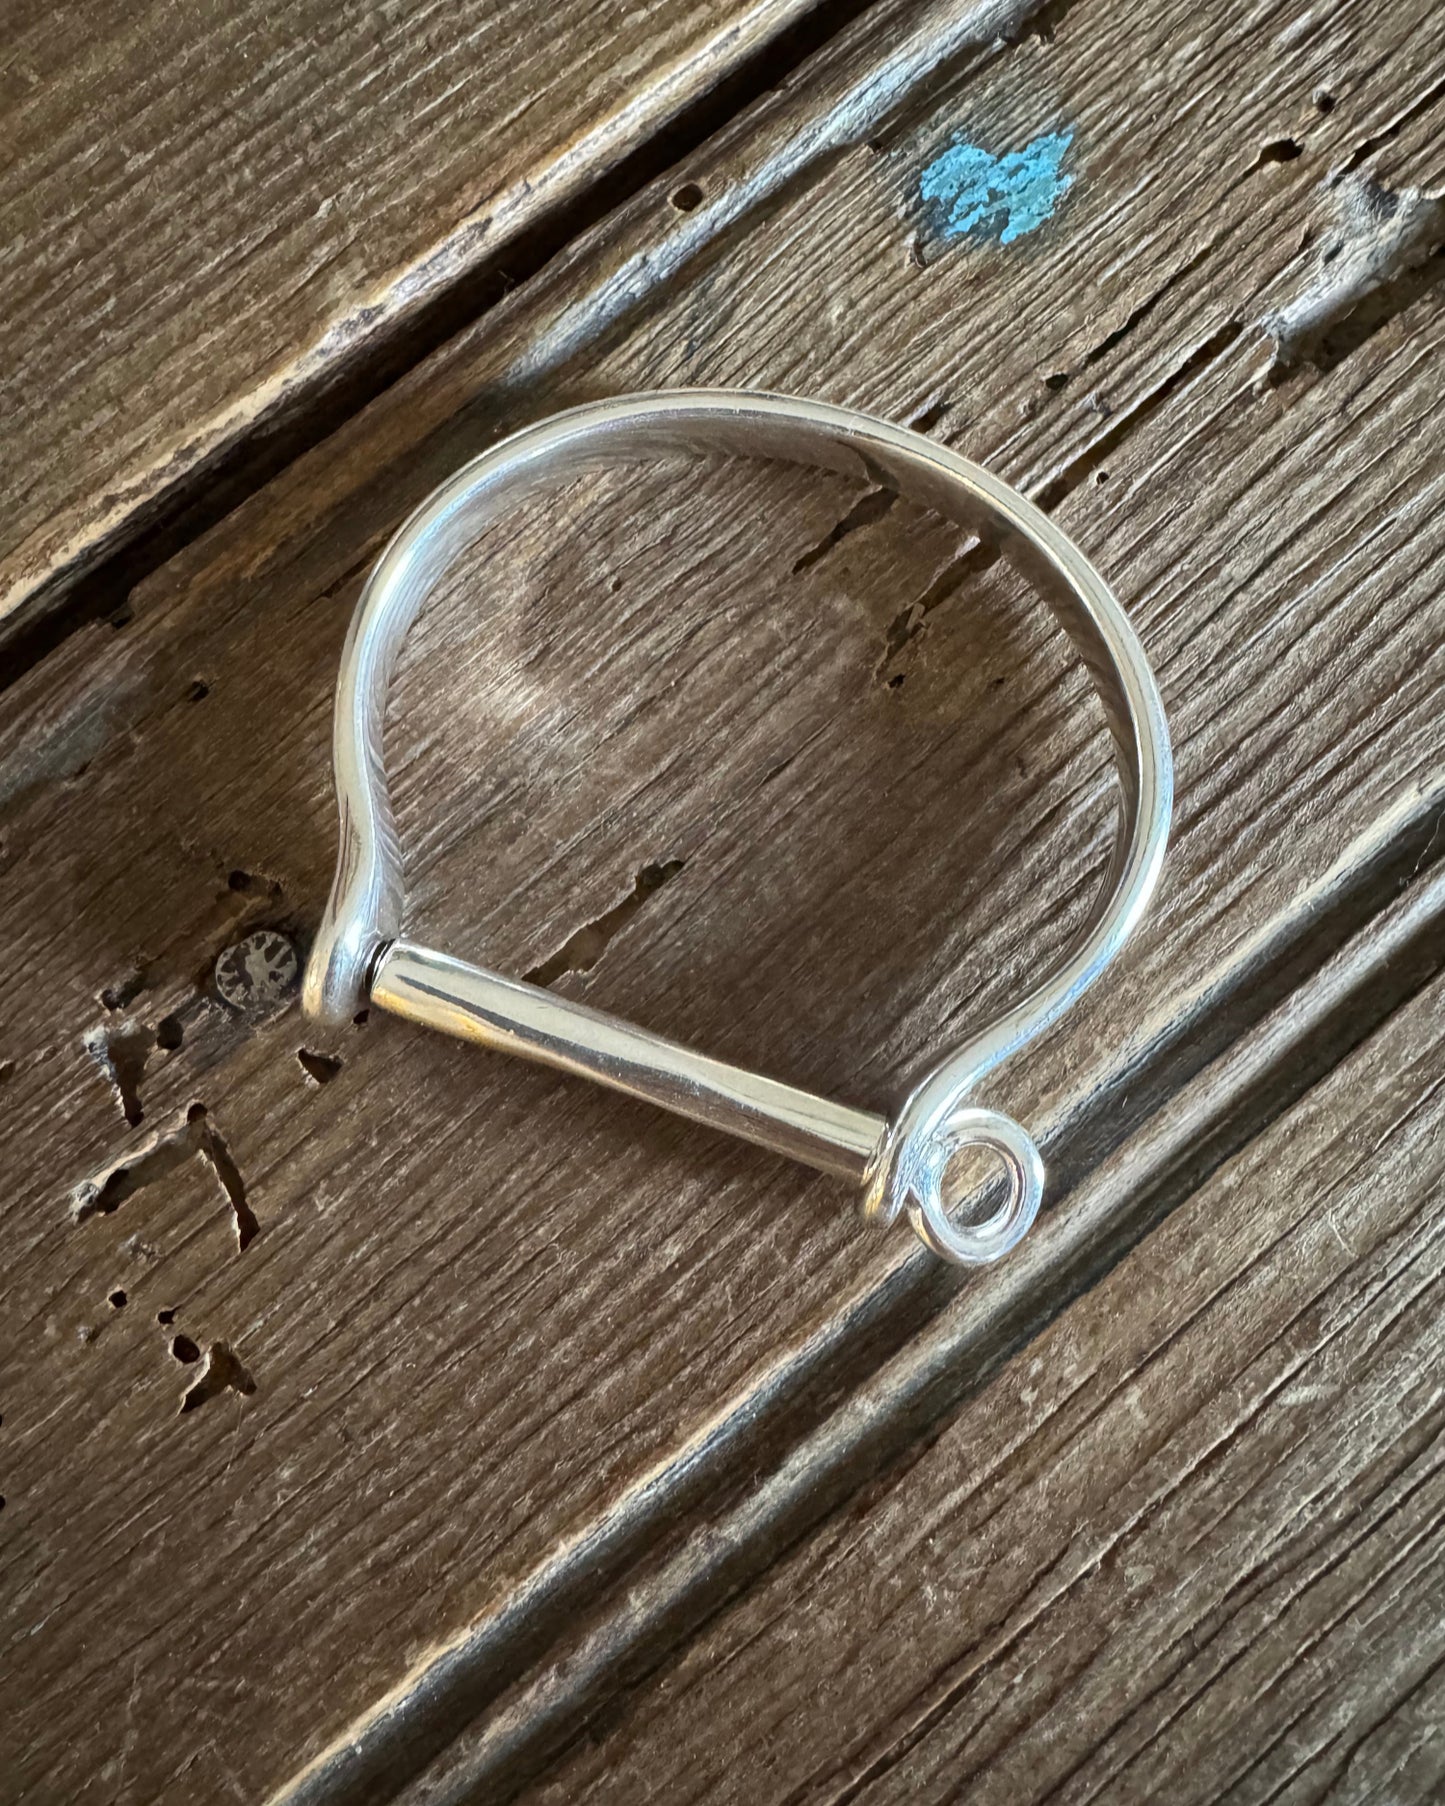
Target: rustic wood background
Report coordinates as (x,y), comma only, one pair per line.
(382,1421)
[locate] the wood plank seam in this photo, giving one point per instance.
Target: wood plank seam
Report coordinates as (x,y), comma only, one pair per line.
(1424,815)
(976,34)
(942,1701)
(216,488)
(1348,905)
(465,283)
(894,1418)
(1364,975)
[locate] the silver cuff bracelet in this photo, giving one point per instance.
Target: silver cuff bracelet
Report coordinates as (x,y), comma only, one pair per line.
(359,957)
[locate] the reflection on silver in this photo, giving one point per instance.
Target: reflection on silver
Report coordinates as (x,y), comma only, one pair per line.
(360,957)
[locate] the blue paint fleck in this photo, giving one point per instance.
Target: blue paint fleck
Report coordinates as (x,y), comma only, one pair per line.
(997,197)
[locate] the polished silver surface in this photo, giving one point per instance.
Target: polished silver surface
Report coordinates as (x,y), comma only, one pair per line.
(517,1018)
(359,955)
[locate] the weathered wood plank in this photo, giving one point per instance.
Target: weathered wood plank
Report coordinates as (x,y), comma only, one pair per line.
(667,1596)
(209,212)
(1187,1546)
(473,1333)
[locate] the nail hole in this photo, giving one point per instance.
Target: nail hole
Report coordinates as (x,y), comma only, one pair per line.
(239,880)
(117,996)
(1324,100)
(321,1069)
(170,1033)
(117,1300)
(222,1370)
(166,1316)
(199,691)
(1278,150)
(360,1018)
(687,197)
(1059,380)
(185,1350)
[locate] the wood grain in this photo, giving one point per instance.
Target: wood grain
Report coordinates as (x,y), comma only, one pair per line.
(208,213)
(1262,1075)
(1187,1546)
(494,1323)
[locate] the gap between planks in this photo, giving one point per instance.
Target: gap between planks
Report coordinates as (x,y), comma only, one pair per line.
(1366,963)
(1107,1575)
(213,488)
(1403,846)
(160,526)
(275,435)
(1406,842)
(1372,936)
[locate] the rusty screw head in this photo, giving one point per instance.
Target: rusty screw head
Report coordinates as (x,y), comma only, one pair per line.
(259,973)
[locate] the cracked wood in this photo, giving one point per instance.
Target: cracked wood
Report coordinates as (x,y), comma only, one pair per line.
(498,1326)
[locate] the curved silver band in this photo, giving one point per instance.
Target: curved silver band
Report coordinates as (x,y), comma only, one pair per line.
(358,956)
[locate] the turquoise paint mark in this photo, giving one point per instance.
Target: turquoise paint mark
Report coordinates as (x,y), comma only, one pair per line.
(1004,197)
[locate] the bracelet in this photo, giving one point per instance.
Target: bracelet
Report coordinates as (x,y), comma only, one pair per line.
(359,956)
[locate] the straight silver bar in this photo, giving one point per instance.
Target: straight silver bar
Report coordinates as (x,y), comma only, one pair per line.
(517,1018)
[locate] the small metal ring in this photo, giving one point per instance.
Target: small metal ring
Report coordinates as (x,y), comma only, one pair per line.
(975,1244)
